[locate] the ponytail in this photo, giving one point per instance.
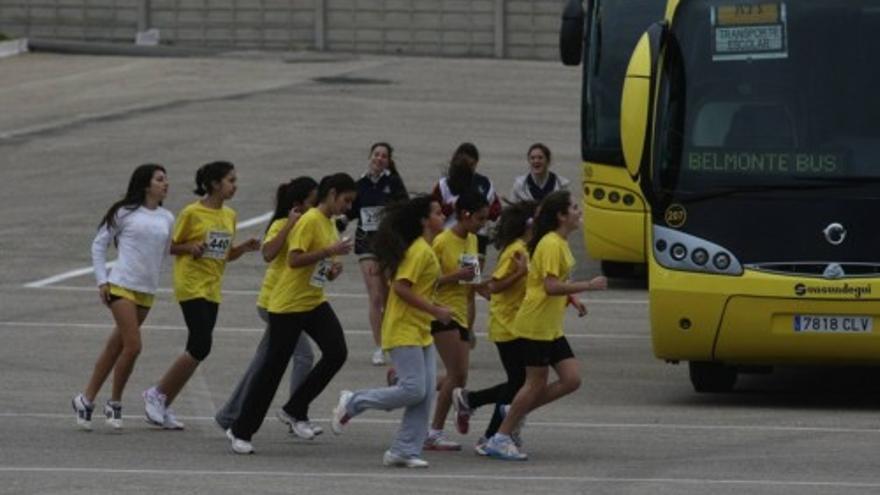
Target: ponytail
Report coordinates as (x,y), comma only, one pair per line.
(210,173)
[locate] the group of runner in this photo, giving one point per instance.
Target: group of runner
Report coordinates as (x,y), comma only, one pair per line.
(421,258)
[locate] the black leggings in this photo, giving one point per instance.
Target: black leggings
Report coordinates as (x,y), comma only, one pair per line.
(503,393)
(323,327)
(200,316)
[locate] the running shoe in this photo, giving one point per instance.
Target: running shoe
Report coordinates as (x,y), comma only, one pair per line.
(516,434)
(340,412)
(391,459)
(239,446)
(391,377)
(462,410)
(301,430)
(480,447)
(113,414)
(83,410)
(170,422)
(502,447)
(154,406)
(378,358)
(438,441)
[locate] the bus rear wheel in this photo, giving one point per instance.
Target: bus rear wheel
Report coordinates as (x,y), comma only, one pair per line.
(710,377)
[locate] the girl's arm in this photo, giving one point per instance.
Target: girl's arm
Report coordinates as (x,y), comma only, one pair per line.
(403,288)
(497,285)
(245,247)
(272,247)
(555,287)
(298,258)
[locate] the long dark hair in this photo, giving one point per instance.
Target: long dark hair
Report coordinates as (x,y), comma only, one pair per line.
(470,201)
(514,223)
(400,225)
(392,167)
(469,150)
(210,173)
(135,195)
(289,194)
(554,204)
(460,177)
(340,182)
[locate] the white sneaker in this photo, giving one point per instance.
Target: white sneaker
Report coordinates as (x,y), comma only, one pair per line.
(393,460)
(502,447)
(113,414)
(516,434)
(438,441)
(378,358)
(239,446)
(300,431)
(340,413)
(83,411)
(170,422)
(154,406)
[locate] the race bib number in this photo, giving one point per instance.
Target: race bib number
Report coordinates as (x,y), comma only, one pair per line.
(473,260)
(321,275)
(217,245)
(370,218)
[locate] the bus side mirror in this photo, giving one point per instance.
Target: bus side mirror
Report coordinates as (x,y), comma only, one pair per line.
(636,104)
(571,33)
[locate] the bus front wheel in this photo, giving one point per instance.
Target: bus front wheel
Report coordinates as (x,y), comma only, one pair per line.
(709,377)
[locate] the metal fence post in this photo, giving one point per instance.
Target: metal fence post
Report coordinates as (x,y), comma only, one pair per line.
(500,30)
(320,27)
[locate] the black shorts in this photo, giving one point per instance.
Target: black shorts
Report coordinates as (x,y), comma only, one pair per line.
(363,244)
(463,333)
(540,353)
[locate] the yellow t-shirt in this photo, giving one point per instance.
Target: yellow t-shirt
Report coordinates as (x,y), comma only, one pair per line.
(276,266)
(405,325)
(540,316)
(450,250)
(202,278)
(504,305)
(302,289)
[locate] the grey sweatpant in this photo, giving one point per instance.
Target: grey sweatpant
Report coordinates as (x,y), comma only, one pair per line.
(417,375)
(301,362)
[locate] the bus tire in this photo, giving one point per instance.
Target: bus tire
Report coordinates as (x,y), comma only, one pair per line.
(711,377)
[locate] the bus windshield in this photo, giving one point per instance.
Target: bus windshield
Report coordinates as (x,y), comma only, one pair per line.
(776,95)
(615,27)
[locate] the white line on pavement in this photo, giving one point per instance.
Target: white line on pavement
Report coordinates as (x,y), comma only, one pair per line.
(574,425)
(339,295)
(497,478)
(84,271)
(108,325)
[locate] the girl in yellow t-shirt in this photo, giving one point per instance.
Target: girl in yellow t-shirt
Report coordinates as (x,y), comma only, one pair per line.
(508,288)
(292,200)
(457,250)
(298,305)
(538,325)
(201,244)
(403,248)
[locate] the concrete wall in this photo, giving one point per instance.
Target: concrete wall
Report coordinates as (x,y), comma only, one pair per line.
(479,28)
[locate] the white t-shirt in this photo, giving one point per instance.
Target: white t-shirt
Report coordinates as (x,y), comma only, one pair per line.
(143,242)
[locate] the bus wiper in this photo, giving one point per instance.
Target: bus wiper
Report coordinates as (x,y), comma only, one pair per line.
(852,179)
(730,191)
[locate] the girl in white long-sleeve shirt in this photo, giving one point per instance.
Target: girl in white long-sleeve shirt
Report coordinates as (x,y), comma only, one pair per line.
(141,231)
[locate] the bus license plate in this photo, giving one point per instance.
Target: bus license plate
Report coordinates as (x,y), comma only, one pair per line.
(833,324)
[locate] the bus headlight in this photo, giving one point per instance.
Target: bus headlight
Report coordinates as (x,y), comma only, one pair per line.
(721,261)
(700,256)
(678,252)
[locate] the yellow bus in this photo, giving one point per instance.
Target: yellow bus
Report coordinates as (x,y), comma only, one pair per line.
(754,132)
(604,34)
